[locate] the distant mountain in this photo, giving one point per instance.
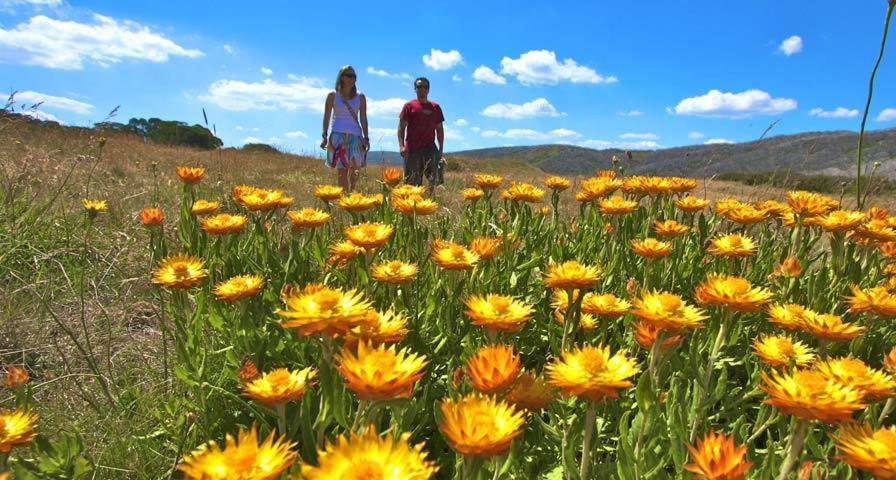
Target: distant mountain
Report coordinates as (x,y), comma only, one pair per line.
(827,153)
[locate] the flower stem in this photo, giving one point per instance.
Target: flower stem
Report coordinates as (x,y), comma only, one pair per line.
(281,418)
(797,437)
(590,415)
(707,375)
(888,407)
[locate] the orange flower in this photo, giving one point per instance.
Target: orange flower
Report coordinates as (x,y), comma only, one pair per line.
(485,247)
(414,205)
(852,372)
(321,309)
(391,176)
(493,368)
(735,293)
(745,214)
(787,316)
(790,267)
(607,305)
(452,256)
(556,183)
(651,248)
(571,274)
(876,230)
(472,194)
(691,204)
(871,450)
(204,207)
(223,224)
(497,312)
(189,174)
(358,202)
(774,207)
(395,271)
(667,311)
(238,287)
(523,192)
(369,235)
(369,456)
(876,300)
(259,199)
(151,217)
(646,335)
(486,181)
(888,249)
(597,187)
(380,373)
(841,220)
(616,205)
(716,457)
(592,372)
(810,204)
(307,218)
(890,361)
(732,245)
(279,386)
(381,327)
(530,392)
(16,429)
(809,395)
(180,272)
(242,458)
(669,228)
(407,190)
(343,251)
(474,425)
(15,377)
(782,351)
(327,193)
(827,326)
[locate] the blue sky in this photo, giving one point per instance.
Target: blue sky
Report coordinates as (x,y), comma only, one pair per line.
(605,74)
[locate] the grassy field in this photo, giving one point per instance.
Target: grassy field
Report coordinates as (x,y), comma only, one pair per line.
(78,302)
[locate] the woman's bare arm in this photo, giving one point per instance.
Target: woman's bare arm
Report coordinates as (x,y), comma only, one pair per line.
(328,108)
(363,115)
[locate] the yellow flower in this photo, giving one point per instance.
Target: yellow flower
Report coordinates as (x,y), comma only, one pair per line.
(876,230)
(16,428)
(871,450)
(474,425)
(587,321)
(841,220)
(790,267)
(94,207)
(486,181)
(591,372)
(716,457)
(667,311)
(240,459)
(279,386)
(321,309)
(616,205)
(259,199)
(189,174)
(774,207)
(493,368)
(369,235)
(827,326)
(391,176)
(381,327)
(472,194)
(204,207)
(327,193)
(15,377)
(852,372)
(606,304)
(809,395)
(343,251)
(650,248)
(735,293)
(570,274)
(394,271)
(485,247)
(358,202)
(452,256)
(691,204)
(876,300)
(151,217)
(732,245)
(556,183)
(523,192)
(380,373)
(368,456)
(414,205)
(669,228)
(647,185)
(530,392)
(498,312)
(744,214)
(782,351)
(223,224)
(238,287)
(597,187)
(646,335)
(810,204)
(787,316)
(307,218)
(180,272)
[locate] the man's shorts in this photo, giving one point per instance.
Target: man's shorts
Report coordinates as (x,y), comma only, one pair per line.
(426,162)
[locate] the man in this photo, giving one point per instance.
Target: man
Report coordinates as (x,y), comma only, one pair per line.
(422,120)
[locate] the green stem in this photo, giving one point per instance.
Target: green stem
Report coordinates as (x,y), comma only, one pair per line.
(590,415)
(797,437)
(707,375)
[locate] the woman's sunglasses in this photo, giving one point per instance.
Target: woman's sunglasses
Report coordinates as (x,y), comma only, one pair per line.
(349,75)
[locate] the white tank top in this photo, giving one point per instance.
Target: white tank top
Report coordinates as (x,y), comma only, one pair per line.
(343,121)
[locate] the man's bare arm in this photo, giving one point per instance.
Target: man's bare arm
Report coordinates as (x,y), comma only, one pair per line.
(440,137)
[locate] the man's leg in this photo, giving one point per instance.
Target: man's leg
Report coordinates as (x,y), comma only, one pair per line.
(413,169)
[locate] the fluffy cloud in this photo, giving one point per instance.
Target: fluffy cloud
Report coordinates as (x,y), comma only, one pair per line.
(389,108)
(483,74)
(69,45)
(267,71)
(604,144)
(717,141)
(50,101)
(541,67)
(40,115)
(301,94)
(733,105)
(886,115)
(251,140)
(439,60)
(455,78)
(227,48)
(564,133)
(295,134)
(695,135)
(839,112)
(631,113)
(540,107)
(460,122)
(791,45)
(639,136)
(529,134)
(382,73)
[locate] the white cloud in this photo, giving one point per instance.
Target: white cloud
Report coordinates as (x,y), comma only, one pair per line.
(238,128)
(541,67)
(251,140)
(41,115)
(886,115)
(483,74)
(733,105)
(791,45)
(529,134)
(439,60)
(695,135)
(475,129)
(604,144)
(565,133)
(460,122)
(839,112)
(717,141)
(382,73)
(34,3)
(631,113)
(389,107)
(69,45)
(639,136)
(266,95)
(295,134)
(50,101)
(452,134)
(455,78)
(540,107)
(267,71)
(228,48)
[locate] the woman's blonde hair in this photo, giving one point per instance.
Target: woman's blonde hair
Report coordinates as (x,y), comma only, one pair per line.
(339,80)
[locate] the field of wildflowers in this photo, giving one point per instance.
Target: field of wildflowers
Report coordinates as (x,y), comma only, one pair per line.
(607,327)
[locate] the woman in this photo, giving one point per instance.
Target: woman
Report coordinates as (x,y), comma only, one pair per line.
(348,142)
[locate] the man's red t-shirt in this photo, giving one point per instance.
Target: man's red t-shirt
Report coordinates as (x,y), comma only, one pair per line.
(422,119)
